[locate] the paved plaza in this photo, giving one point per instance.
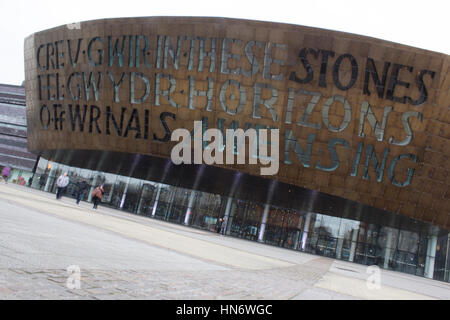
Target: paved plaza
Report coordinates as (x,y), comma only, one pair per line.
(47,245)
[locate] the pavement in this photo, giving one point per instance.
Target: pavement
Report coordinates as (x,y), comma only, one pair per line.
(54,249)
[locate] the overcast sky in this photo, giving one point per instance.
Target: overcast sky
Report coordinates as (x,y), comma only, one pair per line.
(419,23)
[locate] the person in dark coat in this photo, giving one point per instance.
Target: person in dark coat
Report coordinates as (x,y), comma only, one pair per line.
(82,187)
(42,181)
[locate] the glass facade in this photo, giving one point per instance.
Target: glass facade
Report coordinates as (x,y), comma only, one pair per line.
(423,251)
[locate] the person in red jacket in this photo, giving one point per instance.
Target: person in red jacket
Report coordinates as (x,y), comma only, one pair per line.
(97,195)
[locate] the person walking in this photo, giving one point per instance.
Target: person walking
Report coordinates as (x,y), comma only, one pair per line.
(62,183)
(82,187)
(218,225)
(5,173)
(97,195)
(30,181)
(42,181)
(223,227)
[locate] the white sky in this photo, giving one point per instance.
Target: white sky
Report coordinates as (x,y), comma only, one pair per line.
(419,23)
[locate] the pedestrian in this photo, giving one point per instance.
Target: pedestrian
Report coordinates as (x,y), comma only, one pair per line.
(82,187)
(97,195)
(5,173)
(62,183)
(223,227)
(42,181)
(218,225)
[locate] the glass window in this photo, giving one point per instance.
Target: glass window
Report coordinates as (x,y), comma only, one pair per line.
(147,199)
(208,209)
(274,226)
(176,211)
(372,234)
(329,226)
(113,186)
(311,242)
(346,228)
(131,200)
(41,174)
(408,241)
(247,220)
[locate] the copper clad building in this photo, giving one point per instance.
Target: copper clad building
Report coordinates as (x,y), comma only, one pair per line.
(363,126)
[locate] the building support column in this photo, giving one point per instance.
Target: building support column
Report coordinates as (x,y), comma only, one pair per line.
(340,244)
(447,259)
(262,228)
(47,183)
(124,195)
(155,205)
(228,207)
(388,249)
(170,202)
(297,234)
(141,200)
(431,256)
(306,230)
(34,169)
(353,245)
(229,214)
(230,217)
(189,208)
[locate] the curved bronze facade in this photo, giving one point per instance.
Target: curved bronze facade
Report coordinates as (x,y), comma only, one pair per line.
(360,119)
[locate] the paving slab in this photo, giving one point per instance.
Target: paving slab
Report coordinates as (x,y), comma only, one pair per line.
(124,256)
